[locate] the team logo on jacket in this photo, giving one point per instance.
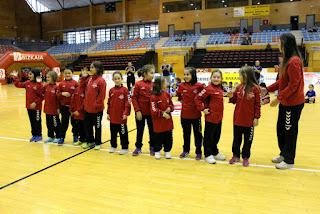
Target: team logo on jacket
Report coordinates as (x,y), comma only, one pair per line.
(143,88)
(53,91)
(63,86)
(94,86)
(72,88)
(195,91)
(184,91)
(216,93)
(35,88)
(121,96)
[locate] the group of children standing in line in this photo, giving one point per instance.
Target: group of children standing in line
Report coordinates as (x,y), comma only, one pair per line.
(83,103)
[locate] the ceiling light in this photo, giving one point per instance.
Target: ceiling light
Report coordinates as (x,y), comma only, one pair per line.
(191,4)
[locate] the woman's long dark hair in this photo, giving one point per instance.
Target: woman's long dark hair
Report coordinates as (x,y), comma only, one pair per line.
(145,70)
(289,49)
(157,89)
(248,74)
(193,73)
(36,73)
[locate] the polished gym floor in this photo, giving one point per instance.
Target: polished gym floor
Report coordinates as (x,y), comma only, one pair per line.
(46,178)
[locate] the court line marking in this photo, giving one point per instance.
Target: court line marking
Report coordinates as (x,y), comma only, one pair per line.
(177,158)
(52,165)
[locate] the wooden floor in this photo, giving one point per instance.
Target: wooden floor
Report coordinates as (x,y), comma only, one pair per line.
(100,182)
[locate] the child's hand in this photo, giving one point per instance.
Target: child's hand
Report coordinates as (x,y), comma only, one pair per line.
(38,79)
(58,111)
(264,92)
(206,111)
(274,102)
(76,113)
(85,72)
(167,116)
(124,117)
(72,113)
(14,73)
(33,105)
(66,94)
(168,110)
(138,115)
(108,117)
(255,122)
(230,94)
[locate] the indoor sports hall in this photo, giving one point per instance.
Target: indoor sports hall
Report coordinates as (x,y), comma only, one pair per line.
(41,40)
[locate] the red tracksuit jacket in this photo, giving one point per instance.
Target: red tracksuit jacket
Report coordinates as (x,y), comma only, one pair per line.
(247,108)
(51,101)
(159,104)
(141,96)
(119,104)
(33,93)
(187,92)
(67,86)
(76,104)
(215,105)
(291,84)
(95,93)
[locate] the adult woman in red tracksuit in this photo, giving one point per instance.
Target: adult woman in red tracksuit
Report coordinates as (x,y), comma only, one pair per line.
(77,112)
(291,99)
(141,93)
(94,89)
(33,101)
(190,116)
(119,107)
(161,108)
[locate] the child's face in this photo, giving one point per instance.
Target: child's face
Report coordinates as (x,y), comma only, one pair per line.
(310,88)
(164,85)
(49,79)
(187,76)
(93,69)
(216,78)
(67,74)
(241,78)
(31,76)
(174,86)
(149,76)
(117,79)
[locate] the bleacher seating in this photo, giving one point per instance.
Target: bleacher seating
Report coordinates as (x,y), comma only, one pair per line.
(233,58)
(6,48)
(115,62)
(127,44)
(189,40)
(310,36)
(71,48)
(266,36)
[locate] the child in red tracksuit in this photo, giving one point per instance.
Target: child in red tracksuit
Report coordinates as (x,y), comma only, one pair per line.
(77,112)
(51,107)
(141,102)
(190,116)
(119,107)
(161,108)
(66,90)
(94,89)
(210,102)
(33,101)
(246,114)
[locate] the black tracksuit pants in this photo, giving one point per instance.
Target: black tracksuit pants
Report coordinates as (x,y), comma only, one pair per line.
(197,131)
(122,129)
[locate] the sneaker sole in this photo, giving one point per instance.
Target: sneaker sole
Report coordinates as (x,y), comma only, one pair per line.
(151,154)
(123,153)
(135,154)
(168,158)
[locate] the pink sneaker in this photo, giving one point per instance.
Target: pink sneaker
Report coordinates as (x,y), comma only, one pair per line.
(245,162)
(234,159)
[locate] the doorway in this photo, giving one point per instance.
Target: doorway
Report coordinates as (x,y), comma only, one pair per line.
(294,23)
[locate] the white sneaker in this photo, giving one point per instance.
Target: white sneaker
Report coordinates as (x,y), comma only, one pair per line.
(219,157)
(123,151)
(284,165)
(278,159)
(157,155)
(210,159)
(112,150)
(167,155)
